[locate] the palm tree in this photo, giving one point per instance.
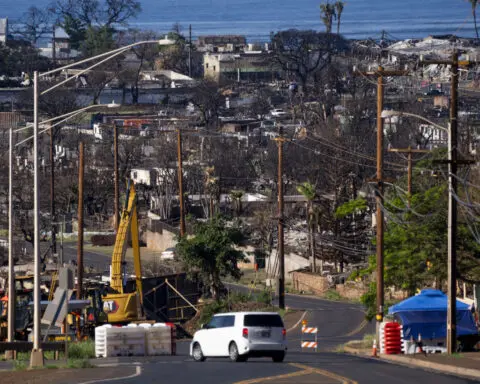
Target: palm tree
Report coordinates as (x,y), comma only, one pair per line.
(308,191)
(339,9)
(474,4)
(236,196)
(327,13)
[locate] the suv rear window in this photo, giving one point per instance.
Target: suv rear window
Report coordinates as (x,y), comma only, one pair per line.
(263,321)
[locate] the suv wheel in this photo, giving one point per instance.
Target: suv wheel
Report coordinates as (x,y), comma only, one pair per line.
(233,353)
(197,353)
(278,357)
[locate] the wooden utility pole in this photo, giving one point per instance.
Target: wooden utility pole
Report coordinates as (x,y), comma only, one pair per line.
(52,193)
(281,252)
(54,53)
(409,151)
(80,222)
(180,182)
(115,177)
(379,74)
(190,50)
(453,163)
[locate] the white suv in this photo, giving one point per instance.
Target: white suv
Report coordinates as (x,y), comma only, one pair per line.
(241,335)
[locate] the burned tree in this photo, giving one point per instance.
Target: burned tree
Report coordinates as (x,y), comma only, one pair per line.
(302,53)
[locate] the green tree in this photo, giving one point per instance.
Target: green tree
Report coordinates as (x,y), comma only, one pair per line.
(210,254)
(415,244)
(76,16)
(338,11)
(97,40)
(308,191)
(236,195)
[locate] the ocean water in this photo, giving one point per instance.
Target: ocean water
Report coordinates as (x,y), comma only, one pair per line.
(257,18)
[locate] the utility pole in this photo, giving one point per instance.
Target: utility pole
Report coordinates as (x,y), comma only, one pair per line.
(281,252)
(11,272)
(54,54)
(52,193)
(379,74)
(80,223)
(409,151)
(190,51)
(115,176)
(36,356)
(453,163)
(452,212)
(180,183)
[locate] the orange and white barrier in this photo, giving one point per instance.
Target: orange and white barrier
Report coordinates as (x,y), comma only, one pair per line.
(310,331)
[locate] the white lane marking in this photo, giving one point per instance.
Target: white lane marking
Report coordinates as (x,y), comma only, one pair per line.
(298,322)
(138,372)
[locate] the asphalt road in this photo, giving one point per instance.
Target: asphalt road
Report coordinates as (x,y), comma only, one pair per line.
(338,322)
(100,261)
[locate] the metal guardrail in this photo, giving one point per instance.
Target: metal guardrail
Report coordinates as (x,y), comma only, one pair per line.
(26,346)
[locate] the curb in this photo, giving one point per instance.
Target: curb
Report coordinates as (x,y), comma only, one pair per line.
(413,363)
(355,351)
(449,369)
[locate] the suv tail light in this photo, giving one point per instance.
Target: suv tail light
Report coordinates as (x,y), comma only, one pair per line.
(284,333)
(245,333)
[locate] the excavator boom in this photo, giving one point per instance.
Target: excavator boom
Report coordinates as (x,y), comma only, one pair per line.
(122,307)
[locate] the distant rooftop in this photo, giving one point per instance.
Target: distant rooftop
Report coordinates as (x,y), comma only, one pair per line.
(222,39)
(61,34)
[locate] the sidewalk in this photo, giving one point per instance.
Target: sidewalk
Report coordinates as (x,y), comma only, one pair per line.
(462,364)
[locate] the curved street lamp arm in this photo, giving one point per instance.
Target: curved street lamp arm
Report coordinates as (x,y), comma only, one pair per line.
(96,57)
(425,119)
(83,71)
(29,125)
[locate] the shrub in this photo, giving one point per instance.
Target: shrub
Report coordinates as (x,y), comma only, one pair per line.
(79,363)
(82,350)
(264,297)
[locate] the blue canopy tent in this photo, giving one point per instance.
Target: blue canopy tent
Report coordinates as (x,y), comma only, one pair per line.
(426,314)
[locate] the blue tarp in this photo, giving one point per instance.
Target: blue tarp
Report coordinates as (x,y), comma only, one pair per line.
(426,314)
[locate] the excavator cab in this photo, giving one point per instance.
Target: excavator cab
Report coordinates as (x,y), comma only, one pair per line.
(118,305)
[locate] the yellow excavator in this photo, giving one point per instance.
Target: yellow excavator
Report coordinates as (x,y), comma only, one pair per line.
(119,306)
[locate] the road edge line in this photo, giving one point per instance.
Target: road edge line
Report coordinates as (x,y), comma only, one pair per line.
(298,322)
(362,325)
(138,372)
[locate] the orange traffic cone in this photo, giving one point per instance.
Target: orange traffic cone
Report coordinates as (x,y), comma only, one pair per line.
(374,348)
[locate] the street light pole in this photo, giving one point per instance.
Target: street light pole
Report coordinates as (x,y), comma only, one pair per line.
(52,193)
(452,212)
(180,183)
(36,358)
(281,251)
(11,272)
(115,177)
